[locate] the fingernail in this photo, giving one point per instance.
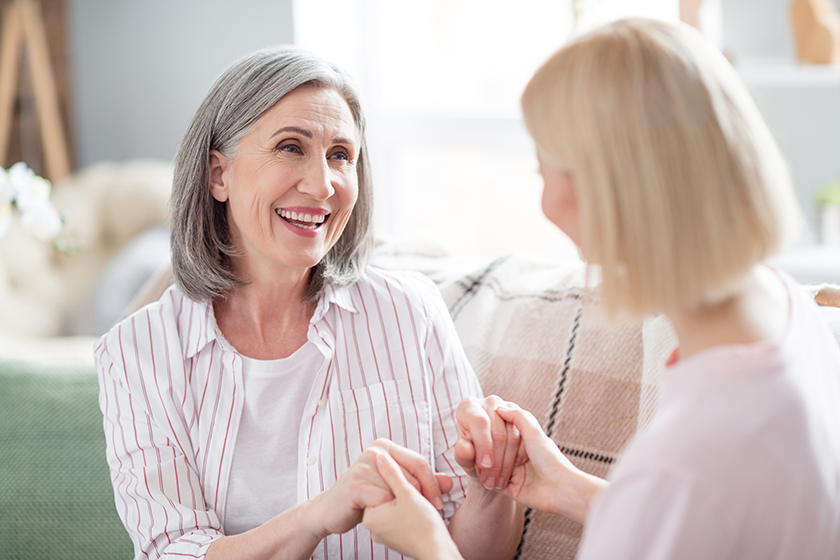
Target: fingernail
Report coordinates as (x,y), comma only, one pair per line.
(382,459)
(501,483)
(490,483)
(518,461)
(487,461)
(438,502)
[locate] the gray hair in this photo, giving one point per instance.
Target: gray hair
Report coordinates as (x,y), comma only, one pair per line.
(201,243)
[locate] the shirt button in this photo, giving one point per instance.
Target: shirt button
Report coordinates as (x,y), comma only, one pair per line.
(311,460)
(322,334)
(322,403)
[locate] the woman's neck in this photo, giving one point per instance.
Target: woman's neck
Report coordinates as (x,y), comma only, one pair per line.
(757,312)
(268,318)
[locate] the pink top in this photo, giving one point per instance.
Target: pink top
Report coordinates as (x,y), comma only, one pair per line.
(741,460)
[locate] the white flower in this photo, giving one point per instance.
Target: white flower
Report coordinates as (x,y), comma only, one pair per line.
(7,191)
(7,195)
(5,218)
(31,194)
(42,221)
(30,190)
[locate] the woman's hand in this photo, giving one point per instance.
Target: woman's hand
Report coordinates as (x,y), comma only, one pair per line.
(408,523)
(487,447)
(547,480)
(340,508)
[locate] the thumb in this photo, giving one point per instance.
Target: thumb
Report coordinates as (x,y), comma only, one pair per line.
(524,421)
(444,482)
(393,476)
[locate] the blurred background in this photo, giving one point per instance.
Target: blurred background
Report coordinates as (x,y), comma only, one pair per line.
(453,165)
(442,80)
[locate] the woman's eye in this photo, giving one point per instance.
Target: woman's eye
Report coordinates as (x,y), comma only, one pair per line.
(290,148)
(341,155)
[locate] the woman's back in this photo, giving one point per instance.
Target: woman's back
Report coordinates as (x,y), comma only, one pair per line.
(742,459)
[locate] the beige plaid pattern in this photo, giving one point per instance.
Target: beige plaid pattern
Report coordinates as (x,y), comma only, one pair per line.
(525,330)
(591,384)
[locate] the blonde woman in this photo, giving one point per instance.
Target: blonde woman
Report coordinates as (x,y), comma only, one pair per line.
(658,165)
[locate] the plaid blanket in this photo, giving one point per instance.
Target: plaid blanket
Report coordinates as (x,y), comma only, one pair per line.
(531,340)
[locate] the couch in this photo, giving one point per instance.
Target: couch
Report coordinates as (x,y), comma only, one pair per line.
(521,321)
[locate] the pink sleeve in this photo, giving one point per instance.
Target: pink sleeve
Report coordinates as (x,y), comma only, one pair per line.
(654,516)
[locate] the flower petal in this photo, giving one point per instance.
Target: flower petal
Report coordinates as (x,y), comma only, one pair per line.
(5,218)
(35,191)
(7,192)
(20,176)
(42,221)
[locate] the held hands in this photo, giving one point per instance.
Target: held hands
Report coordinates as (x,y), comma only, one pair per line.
(547,480)
(533,472)
(408,524)
(340,508)
(488,447)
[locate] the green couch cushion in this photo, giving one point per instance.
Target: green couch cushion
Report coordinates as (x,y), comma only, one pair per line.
(56,499)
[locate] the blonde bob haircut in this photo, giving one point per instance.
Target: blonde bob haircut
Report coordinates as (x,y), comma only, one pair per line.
(681,188)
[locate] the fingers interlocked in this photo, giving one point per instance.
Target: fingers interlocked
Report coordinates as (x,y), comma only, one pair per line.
(488,447)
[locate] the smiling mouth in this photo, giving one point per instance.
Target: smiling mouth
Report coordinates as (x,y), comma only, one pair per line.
(303,221)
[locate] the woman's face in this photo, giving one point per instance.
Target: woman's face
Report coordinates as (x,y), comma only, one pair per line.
(292,184)
(559,199)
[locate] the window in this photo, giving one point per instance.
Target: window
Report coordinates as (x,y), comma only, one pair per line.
(451,158)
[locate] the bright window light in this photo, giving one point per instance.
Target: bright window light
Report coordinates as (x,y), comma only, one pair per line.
(442,80)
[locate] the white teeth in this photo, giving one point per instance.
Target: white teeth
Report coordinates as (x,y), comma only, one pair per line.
(315,219)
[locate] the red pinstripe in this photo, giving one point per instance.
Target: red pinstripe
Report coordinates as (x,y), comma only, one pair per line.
(388,349)
(405,359)
(171,427)
(137,442)
(367,389)
(224,448)
(375,361)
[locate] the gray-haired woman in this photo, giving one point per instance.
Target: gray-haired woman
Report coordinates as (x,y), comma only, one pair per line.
(244,409)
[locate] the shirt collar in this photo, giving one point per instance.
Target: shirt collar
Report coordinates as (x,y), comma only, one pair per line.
(345,297)
(199,321)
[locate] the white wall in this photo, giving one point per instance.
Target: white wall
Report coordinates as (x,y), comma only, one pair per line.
(800,102)
(757,28)
(140,69)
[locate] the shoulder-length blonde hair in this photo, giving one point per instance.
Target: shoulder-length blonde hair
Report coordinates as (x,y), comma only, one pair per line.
(681,187)
(201,245)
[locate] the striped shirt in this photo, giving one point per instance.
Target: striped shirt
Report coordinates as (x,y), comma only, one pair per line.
(172,397)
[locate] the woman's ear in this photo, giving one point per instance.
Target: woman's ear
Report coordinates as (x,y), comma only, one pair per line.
(218,166)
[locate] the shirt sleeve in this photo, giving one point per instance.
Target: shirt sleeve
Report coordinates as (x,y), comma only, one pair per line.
(655,516)
(157,490)
(452,380)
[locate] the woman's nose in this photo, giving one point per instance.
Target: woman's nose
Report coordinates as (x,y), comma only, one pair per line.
(317,181)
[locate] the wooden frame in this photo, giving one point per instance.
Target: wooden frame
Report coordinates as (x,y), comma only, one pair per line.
(23,26)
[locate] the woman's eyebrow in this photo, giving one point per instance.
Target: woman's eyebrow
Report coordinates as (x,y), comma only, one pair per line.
(308,134)
(297,129)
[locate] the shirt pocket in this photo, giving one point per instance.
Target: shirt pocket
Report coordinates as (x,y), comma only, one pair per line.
(394,409)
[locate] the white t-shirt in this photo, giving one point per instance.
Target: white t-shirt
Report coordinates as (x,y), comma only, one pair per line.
(741,460)
(263,475)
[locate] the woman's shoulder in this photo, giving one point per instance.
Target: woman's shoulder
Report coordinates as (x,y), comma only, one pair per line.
(404,282)
(164,317)
(402,290)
